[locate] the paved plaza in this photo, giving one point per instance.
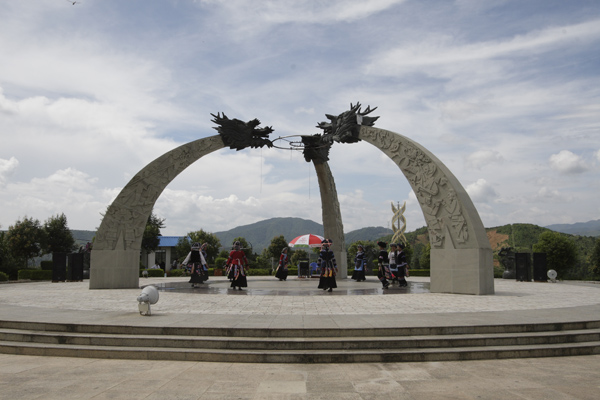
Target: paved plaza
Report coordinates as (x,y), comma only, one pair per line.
(297,303)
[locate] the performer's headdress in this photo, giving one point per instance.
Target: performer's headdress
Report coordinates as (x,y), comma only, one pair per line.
(381,244)
(196,246)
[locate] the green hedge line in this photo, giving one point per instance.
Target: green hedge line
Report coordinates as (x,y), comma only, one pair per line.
(153,273)
(46,265)
(35,274)
(3,277)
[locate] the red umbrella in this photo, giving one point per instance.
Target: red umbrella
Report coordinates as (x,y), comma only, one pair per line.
(308,240)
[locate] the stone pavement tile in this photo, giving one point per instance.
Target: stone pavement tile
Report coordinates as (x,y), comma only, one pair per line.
(282,387)
(328,395)
(161,369)
(545,394)
(445,395)
(84,388)
(189,388)
(365,372)
(329,386)
(410,374)
(230,384)
(280,396)
(283,375)
(377,386)
(581,392)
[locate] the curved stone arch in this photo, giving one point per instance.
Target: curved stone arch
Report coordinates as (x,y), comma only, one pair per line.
(116,252)
(461,255)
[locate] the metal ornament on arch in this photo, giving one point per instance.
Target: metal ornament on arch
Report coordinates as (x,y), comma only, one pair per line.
(461,255)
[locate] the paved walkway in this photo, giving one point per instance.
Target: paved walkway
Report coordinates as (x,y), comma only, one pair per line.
(27,377)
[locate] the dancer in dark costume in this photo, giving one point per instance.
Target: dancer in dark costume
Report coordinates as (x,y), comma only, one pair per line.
(282,268)
(359,265)
(402,266)
(383,272)
(328,266)
(238,263)
(393,265)
(205,265)
(195,261)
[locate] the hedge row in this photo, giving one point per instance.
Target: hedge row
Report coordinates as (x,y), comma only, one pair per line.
(3,277)
(153,273)
(35,275)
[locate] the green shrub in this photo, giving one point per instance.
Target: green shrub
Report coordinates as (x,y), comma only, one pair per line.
(47,265)
(498,271)
(153,273)
(419,272)
(35,275)
(219,262)
(259,272)
(3,277)
(177,272)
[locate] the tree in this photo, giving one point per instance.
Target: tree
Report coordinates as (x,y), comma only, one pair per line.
(150,238)
(57,235)
(7,262)
(370,248)
(24,240)
(298,255)
(561,253)
(425,260)
(184,245)
(277,244)
(595,259)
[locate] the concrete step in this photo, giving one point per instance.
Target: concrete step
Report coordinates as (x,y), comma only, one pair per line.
(331,343)
(302,356)
(299,333)
(301,346)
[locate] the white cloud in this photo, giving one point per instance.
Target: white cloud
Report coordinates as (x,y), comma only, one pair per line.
(481,191)
(482,158)
(567,162)
(7,168)
(306,11)
(549,195)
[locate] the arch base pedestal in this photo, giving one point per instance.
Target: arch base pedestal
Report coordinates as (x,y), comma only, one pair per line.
(462,271)
(120,269)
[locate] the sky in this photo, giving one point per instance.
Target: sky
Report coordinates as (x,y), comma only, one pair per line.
(505,93)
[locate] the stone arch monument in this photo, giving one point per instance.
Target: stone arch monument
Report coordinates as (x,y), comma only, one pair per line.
(461,256)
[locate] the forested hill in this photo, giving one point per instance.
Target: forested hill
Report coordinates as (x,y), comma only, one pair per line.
(590,228)
(261,233)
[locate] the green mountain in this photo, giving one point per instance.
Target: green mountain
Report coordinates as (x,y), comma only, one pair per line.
(590,228)
(261,233)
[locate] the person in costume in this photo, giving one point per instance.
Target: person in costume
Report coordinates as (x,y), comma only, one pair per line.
(328,266)
(205,265)
(402,266)
(195,261)
(392,259)
(359,265)
(383,272)
(238,264)
(282,268)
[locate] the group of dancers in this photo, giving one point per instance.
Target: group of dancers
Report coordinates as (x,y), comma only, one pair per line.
(392,265)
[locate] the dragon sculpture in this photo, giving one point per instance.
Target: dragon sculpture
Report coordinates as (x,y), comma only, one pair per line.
(343,128)
(238,134)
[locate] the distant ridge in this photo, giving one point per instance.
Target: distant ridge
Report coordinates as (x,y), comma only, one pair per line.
(261,233)
(590,228)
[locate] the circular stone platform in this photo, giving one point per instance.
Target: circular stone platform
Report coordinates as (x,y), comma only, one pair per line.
(293,286)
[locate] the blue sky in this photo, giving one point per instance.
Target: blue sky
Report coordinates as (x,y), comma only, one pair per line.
(505,93)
